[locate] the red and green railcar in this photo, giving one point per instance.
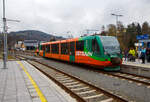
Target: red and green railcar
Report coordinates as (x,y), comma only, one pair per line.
(99,51)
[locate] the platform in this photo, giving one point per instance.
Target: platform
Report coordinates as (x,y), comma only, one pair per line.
(138,62)
(21,82)
(136,68)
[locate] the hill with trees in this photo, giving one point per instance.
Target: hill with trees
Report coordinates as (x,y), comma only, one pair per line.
(13,37)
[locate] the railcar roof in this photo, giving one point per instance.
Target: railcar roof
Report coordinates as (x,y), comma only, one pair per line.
(75,39)
(60,41)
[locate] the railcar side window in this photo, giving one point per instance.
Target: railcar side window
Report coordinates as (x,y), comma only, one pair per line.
(95,47)
(64,48)
(43,47)
(48,48)
(80,45)
(55,48)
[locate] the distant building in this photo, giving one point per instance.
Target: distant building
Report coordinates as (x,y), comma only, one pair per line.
(27,45)
(19,45)
(30,44)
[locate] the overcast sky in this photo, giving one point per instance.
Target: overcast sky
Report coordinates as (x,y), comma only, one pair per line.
(60,16)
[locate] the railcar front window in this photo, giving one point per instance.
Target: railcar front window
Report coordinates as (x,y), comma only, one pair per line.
(110,44)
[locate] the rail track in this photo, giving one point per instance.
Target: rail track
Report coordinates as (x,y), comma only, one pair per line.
(132,78)
(125,76)
(81,90)
(139,80)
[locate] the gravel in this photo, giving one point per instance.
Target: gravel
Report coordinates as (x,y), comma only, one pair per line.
(129,90)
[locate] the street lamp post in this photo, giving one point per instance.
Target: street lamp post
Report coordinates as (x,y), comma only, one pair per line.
(117,16)
(5,36)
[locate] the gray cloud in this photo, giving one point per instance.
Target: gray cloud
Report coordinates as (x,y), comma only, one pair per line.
(60,16)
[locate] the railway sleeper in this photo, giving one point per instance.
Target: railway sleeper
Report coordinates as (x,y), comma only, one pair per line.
(66,81)
(76,85)
(80,88)
(63,79)
(85,92)
(99,98)
(144,80)
(59,75)
(107,100)
(71,83)
(136,78)
(93,96)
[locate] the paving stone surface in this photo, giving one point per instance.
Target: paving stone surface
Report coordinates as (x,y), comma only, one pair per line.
(15,86)
(138,62)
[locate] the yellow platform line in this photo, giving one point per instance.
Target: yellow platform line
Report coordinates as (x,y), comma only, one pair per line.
(40,94)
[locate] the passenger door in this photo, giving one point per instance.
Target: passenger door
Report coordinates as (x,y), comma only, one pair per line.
(95,47)
(44,50)
(72,51)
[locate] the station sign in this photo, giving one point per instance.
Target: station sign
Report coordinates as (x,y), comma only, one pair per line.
(141,37)
(144,41)
(138,44)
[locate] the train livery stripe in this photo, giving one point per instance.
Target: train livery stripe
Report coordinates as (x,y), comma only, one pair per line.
(40,94)
(94,57)
(91,56)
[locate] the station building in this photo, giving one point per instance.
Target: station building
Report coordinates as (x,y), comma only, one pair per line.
(19,45)
(26,45)
(30,44)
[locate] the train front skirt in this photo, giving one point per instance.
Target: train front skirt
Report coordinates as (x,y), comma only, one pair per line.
(110,68)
